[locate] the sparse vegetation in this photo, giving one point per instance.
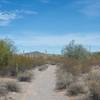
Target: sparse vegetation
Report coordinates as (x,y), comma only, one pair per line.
(7,49)
(77,88)
(63,78)
(25,77)
(94,84)
(43,67)
(74,63)
(12,86)
(76,58)
(8,86)
(77,63)
(3,91)
(12,63)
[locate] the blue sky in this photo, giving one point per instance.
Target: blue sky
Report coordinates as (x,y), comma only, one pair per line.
(50,24)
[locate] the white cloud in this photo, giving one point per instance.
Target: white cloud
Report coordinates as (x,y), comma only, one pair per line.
(27,12)
(6,18)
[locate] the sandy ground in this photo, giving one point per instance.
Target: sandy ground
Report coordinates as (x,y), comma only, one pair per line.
(42,87)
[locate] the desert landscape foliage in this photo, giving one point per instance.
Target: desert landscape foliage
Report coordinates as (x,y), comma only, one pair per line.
(78,69)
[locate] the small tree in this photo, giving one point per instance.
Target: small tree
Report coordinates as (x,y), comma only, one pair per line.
(75,51)
(6,51)
(76,58)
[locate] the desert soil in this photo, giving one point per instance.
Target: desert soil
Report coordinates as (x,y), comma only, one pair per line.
(42,87)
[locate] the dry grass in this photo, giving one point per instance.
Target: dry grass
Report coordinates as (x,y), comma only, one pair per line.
(94,84)
(25,76)
(12,86)
(64,79)
(7,86)
(91,88)
(77,88)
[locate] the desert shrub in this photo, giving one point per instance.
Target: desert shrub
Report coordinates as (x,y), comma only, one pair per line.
(94,84)
(64,79)
(76,58)
(72,66)
(12,63)
(94,90)
(25,76)
(12,86)
(76,51)
(54,59)
(94,74)
(43,67)
(39,61)
(7,49)
(80,97)
(3,91)
(77,88)
(8,86)
(95,59)
(21,63)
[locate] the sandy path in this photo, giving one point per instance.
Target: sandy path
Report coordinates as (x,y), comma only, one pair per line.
(42,88)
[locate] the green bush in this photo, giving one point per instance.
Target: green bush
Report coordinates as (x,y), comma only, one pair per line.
(75,58)
(6,50)
(12,63)
(75,51)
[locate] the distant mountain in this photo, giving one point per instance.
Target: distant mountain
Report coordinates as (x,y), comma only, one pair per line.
(35,53)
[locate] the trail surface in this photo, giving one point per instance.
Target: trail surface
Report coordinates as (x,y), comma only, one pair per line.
(42,87)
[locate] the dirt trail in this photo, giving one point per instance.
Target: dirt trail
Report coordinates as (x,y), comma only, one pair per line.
(42,87)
